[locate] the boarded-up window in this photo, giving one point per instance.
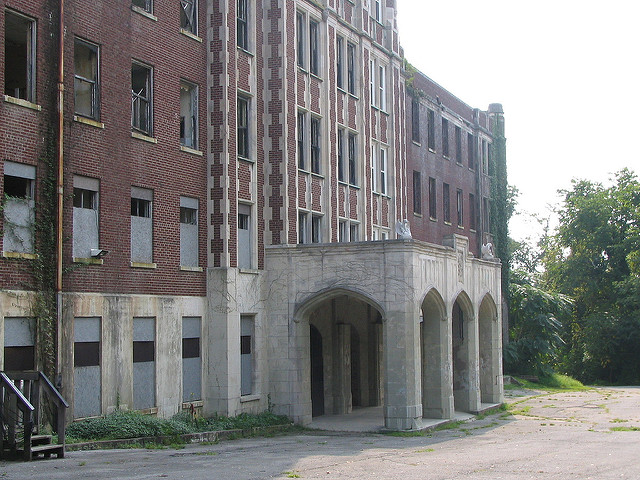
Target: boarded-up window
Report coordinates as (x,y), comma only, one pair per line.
(191,359)
(86,372)
(144,365)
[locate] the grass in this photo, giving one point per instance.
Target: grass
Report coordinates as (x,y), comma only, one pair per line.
(555,382)
(126,424)
(625,429)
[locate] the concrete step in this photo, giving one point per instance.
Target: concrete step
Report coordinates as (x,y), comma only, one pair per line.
(48,450)
(40,440)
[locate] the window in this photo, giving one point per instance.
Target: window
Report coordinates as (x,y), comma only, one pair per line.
(300,32)
(382,87)
(145,5)
(19,207)
(301,143)
(342,231)
(85,216)
(315,145)
(245,241)
(86,367)
(486,214)
(246,354)
(471,154)
(354,231)
(431,130)
(351,150)
(19,343)
(316,229)
(341,163)
(189,16)
(445,137)
(372,82)
(374,169)
(415,120)
(446,203)
(472,211)
(243,127)
(339,62)
(302,227)
(141,225)
(189,231)
(242,25)
(459,207)
(86,92)
(383,171)
(377,10)
(141,100)
(458,139)
(191,359)
(485,166)
(314,52)
(188,115)
(144,362)
(351,68)
(19,56)
(417,193)
(433,206)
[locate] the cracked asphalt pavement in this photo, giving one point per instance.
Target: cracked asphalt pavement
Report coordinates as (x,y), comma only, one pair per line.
(592,434)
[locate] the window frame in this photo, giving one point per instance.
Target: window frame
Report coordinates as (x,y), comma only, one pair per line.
(431,130)
(191,24)
(340,62)
(314,47)
(243,147)
(415,120)
(242,24)
(300,39)
(352,159)
(194,96)
(382,87)
(351,69)
(30,60)
(148,5)
(446,203)
(148,100)
(383,170)
(315,139)
(417,193)
(460,208)
(95,83)
(445,137)
(301,140)
(433,199)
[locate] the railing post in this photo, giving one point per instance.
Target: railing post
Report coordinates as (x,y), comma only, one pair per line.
(28,426)
(35,401)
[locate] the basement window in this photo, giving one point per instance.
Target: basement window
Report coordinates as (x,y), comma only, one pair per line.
(19,56)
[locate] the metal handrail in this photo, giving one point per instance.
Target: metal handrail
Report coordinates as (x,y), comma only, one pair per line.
(8,383)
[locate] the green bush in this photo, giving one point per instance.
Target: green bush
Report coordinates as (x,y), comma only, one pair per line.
(126,424)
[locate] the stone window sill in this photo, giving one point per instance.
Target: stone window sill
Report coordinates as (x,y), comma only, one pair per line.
(22,103)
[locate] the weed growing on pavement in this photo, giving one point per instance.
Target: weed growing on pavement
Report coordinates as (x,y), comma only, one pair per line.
(625,429)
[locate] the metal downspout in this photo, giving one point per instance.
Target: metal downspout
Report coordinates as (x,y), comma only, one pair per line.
(60,188)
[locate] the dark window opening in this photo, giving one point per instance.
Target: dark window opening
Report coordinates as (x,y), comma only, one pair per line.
(243,127)
(18,187)
(433,207)
(417,193)
(140,207)
(314,59)
(188,16)
(315,145)
(431,130)
(86,354)
(446,203)
(243,30)
(415,121)
(83,198)
(19,56)
(85,60)
(190,347)
(143,351)
(141,98)
(188,216)
(445,137)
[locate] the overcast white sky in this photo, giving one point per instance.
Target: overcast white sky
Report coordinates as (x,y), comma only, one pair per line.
(567,73)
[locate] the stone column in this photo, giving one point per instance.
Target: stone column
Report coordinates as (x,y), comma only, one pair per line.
(402,399)
(437,379)
(342,369)
(474,365)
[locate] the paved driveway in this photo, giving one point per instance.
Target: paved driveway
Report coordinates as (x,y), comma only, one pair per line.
(552,436)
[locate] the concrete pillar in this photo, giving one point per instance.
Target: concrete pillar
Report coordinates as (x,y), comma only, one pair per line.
(474,365)
(466,387)
(437,380)
(402,397)
(342,369)
(491,386)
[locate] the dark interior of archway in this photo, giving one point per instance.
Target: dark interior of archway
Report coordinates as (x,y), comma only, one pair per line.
(317,375)
(356,397)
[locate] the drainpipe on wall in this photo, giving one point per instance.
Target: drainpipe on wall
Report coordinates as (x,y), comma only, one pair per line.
(60,193)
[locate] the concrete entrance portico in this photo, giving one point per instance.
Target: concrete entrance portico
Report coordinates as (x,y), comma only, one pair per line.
(382,341)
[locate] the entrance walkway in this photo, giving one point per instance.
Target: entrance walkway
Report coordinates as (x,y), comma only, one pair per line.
(371,420)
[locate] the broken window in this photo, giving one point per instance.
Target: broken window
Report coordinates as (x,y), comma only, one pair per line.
(415,120)
(141,225)
(314,50)
(19,56)
(86,87)
(189,16)
(242,25)
(315,145)
(459,207)
(188,114)
(431,130)
(243,127)
(417,193)
(433,205)
(19,207)
(188,232)
(316,229)
(446,203)
(445,137)
(85,216)
(145,5)
(141,111)
(302,164)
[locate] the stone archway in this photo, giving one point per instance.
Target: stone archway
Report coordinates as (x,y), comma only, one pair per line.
(346,340)
(437,394)
(490,353)
(464,355)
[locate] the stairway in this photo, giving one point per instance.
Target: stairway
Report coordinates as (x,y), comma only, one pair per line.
(41,445)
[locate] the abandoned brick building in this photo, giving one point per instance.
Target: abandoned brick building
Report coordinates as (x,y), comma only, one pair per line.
(235,179)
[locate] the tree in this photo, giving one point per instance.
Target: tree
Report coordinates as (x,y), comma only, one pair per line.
(594,258)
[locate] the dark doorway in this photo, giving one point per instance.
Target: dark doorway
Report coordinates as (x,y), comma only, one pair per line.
(356,397)
(317,374)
